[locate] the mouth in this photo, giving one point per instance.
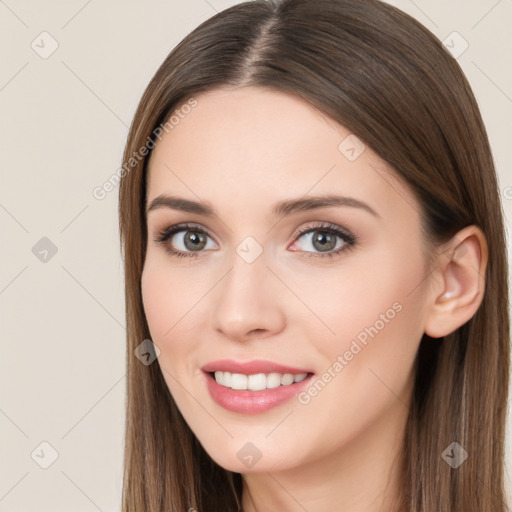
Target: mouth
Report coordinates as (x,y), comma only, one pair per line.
(256,381)
(255,386)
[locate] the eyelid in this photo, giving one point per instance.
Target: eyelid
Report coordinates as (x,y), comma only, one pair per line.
(322,225)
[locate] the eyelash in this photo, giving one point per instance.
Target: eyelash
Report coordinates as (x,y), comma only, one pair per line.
(350,240)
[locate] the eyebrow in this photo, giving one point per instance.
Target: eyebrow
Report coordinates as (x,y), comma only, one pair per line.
(279,210)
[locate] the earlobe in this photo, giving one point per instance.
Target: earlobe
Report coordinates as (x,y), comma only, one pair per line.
(462,283)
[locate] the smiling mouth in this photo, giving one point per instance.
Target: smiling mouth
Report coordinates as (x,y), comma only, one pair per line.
(257,381)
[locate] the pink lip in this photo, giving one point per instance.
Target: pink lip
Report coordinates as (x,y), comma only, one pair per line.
(251,367)
(252,402)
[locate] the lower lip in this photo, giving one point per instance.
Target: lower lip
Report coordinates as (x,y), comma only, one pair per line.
(253,402)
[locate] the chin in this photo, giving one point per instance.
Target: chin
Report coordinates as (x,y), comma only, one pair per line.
(248,457)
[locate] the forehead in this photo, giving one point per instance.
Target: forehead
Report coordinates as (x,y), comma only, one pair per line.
(251,128)
(258,144)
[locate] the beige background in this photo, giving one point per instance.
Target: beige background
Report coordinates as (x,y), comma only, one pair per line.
(64,122)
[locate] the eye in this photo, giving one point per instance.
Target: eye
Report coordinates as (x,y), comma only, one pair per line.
(188,239)
(324,238)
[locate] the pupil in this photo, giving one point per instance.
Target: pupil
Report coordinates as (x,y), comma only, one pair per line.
(193,240)
(323,239)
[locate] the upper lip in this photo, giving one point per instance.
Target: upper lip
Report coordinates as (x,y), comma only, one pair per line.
(251,367)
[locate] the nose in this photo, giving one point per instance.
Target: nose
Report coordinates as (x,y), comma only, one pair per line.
(249,301)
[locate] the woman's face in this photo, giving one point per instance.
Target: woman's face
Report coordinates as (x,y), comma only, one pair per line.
(282,278)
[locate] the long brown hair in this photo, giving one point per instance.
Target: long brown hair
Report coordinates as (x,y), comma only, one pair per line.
(390,81)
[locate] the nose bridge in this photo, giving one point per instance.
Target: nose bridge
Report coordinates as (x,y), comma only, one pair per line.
(247,299)
(248,263)
(246,279)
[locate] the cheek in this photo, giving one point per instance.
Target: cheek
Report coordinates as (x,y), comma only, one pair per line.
(365,294)
(169,308)
(368,367)
(163,308)
(375,318)
(172,306)
(166,296)
(157,301)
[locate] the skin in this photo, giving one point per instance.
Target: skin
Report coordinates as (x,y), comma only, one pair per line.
(243,150)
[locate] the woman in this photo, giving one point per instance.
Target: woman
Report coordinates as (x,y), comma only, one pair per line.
(315,267)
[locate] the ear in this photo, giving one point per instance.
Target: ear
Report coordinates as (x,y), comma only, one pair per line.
(460,285)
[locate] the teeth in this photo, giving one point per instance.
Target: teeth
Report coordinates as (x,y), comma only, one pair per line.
(258,381)
(238,381)
(287,379)
(274,380)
